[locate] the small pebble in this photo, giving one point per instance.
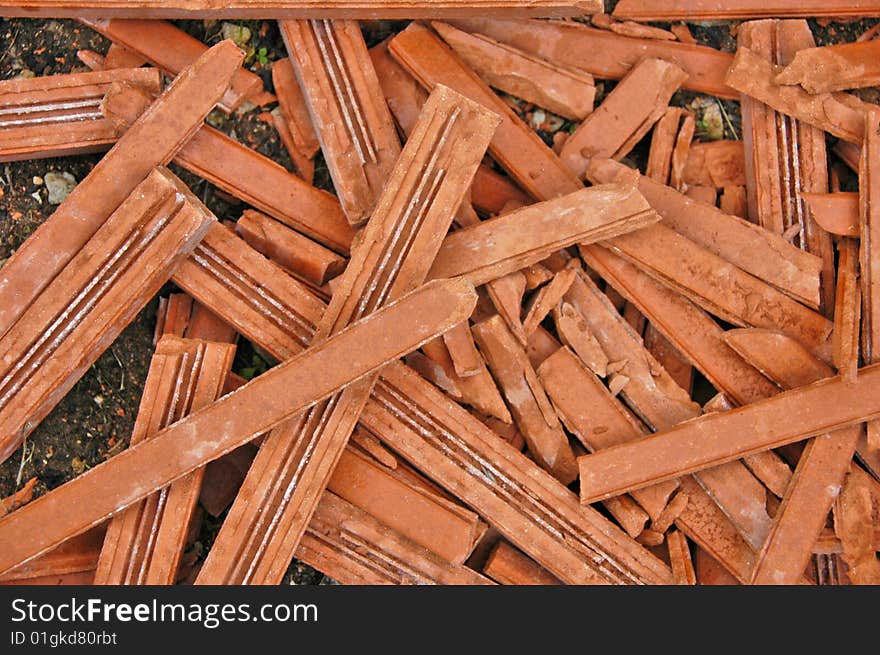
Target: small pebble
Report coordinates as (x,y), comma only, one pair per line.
(38,180)
(238,33)
(59,185)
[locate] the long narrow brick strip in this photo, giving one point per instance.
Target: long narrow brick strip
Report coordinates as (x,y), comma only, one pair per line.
(604,54)
(60,115)
(252,177)
(869,252)
(233,420)
(100,290)
(172,50)
(527,505)
(717,438)
(398,245)
(151,141)
(507,565)
(276,9)
(672,10)
(78,555)
(144,543)
(820,470)
(515,146)
(352,120)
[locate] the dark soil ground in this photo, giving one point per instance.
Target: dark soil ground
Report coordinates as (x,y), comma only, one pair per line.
(96,418)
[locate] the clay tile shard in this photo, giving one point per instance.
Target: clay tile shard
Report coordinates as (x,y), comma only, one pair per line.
(101,289)
(394,254)
(754,250)
(834,68)
(255,408)
(144,543)
(548,297)
(462,350)
(296,253)
(566,91)
(527,399)
(351,546)
(663,144)
(666,10)
(847,311)
(869,241)
(256,179)
(575,333)
(713,439)
(630,28)
(715,163)
(352,121)
(820,470)
(515,146)
(626,115)
(604,54)
(509,566)
(19,498)
(151,141)
(60,114)
(77,556)
(853,521)
(509,243)
(528,506)
(172,50)
(837,213)
(680,559)
(294,108)
(297,9)
(837,113)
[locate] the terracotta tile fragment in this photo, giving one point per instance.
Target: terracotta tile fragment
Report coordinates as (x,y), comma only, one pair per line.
(305,167)
(681,150)
(351,119)
(547,298)
(507,565)
(294,108)
(680,558)
(853,521)
(791,416)
(296,253)
(630,28)
(625,116)
(837,113)
(697,10)
(604,54)
(394,253)
(566,91)
(540,346)
(91,300)
(669,358)
(572,328)
(19,498)
(709,571)
(663,144)
(463,351)
(78,555)
(683,33)
(517,148)
(192,442)
(734,201)
(145,542)
(172,50)
(834,68)
(869,241)
(715,163)
(847,311)
(60,115)
(850,153)
(179,112)
(526,398)
(296,9)
(837,213)
(754,250)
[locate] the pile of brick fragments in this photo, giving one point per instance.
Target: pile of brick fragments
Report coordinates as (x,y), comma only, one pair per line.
(493,353)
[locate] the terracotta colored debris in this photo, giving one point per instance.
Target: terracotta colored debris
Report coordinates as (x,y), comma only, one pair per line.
(869,233)
(630,28)
(847,311)
(667,355)
(61,114)
(566,91)
(462,350)
(192,442)
(296,253)
(19,498)
(663,10)
(837,213)
(681,150)
(783,157)
(837,113)
(604,54)
(626,115)
(850,153)
(820,470)
(717,438)
(511,242)
(396,249)
(715,163)
(352,121)
(680,559)
(296,9)
(754,250)
(734,201)
(151,141)
(172,50)
(144,543)
(526,398)
(117,57)
(853,520)
(100,290)
(294,108)
(76,556)
(663,143)
(575,333)
(515,146)
(547,298)
(507,565)
(256,179)
(834,68)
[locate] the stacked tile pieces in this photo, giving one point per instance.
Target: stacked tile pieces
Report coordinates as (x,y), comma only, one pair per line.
(637,356)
